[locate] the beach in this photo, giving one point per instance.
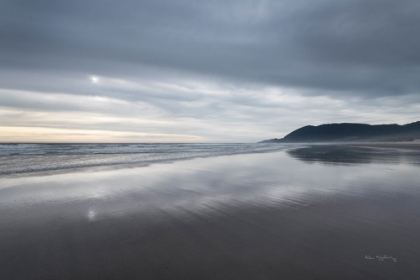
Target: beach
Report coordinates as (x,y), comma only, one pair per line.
(299,212)
(412,145)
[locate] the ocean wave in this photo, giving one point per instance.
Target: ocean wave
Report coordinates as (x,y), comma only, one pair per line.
(28,158)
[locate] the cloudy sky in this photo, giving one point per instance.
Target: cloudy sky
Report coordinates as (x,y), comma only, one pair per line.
(203,71)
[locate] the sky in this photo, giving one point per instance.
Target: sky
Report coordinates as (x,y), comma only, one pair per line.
(203,71)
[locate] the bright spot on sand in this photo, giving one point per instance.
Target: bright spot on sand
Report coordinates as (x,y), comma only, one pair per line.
(91,215)
(94,79)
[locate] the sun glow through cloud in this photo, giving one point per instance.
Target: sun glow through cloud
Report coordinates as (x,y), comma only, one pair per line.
(94,79)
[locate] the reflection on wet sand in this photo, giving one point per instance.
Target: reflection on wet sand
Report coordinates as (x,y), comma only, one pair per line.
(259,216)
(339,154)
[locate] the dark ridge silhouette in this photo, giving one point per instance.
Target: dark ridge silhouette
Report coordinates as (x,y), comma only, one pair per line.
(351,132)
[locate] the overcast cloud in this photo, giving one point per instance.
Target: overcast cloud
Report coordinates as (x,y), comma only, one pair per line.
(203,71)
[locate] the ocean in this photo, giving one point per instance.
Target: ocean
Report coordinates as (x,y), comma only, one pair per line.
(27,158)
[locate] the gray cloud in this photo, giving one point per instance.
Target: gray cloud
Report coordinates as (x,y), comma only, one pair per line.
(263,65)
(369,47)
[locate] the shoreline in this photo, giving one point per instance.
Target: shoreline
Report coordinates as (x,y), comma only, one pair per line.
(24,162)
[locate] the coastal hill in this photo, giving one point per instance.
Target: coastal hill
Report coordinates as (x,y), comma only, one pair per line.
(351,132)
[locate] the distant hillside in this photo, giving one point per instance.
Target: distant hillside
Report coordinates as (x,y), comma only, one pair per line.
(351,132)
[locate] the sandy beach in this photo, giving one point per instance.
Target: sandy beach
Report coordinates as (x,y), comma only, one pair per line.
(414,145)
(302,213)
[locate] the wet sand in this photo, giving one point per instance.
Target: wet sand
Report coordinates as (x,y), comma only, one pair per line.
(307,213)
(395,145)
